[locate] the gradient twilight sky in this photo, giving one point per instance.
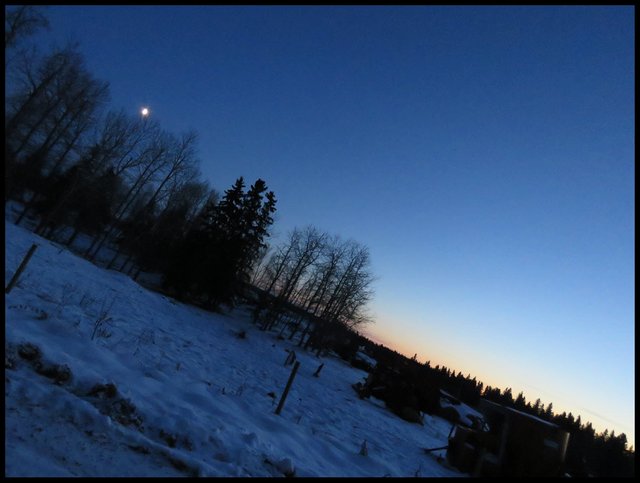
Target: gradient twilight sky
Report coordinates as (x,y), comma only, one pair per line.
(485,155)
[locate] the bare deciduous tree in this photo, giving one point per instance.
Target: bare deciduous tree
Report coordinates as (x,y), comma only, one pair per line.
(328,281)
(47,120)
(22,21)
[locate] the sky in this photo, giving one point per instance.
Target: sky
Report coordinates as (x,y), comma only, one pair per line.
(485,155)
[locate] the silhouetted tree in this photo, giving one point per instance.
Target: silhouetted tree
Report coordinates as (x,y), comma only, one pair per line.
(217,257)
(48,117)
(520,402)
(20,22)
(94,204)
(548,412)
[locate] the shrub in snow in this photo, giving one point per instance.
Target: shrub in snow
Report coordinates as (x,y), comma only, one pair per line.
(29,352)
(285,466)
(42,315)
(138,448)
(124,412)
(120,410)
(169,438)
(103,320)
(181,465)
(9,356)
(177,463)
(9,363)
(103,390)
(172,440)
(60,373)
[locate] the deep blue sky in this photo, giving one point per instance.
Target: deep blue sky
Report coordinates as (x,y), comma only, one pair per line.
(484,154)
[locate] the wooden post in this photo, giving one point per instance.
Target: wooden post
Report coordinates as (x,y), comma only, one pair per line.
(477,469)
(291,358)
(22,266)
(363,449)
(286,389)
(429,450)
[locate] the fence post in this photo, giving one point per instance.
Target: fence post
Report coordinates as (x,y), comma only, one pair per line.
(20,269)
(291,358)
(286,389)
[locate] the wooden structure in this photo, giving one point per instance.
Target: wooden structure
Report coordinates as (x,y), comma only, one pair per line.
(516,444)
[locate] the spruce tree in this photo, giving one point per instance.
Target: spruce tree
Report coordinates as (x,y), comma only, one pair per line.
(225,243)
(548,413)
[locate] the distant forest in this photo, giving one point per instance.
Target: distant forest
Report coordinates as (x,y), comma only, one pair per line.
(75,168)
(588,453)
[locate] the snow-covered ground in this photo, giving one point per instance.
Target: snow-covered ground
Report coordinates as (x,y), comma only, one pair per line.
(187,395)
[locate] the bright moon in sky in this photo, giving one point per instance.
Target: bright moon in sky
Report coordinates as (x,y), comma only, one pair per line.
(145,111)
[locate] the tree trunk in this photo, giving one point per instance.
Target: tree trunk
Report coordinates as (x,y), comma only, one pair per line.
(304,333)
(72,237)
(113,260)
(295,328)
(25,210)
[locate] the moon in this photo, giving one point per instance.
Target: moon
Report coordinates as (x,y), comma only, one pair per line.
(144,111)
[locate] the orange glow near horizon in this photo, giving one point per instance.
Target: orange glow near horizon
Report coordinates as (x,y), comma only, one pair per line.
(409,348)
(490,373)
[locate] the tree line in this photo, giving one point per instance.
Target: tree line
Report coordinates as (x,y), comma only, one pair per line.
(588,453)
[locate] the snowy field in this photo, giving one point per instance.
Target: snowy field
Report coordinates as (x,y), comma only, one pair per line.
(106,378)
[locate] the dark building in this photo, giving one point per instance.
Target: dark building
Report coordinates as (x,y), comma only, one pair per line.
(514,444)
